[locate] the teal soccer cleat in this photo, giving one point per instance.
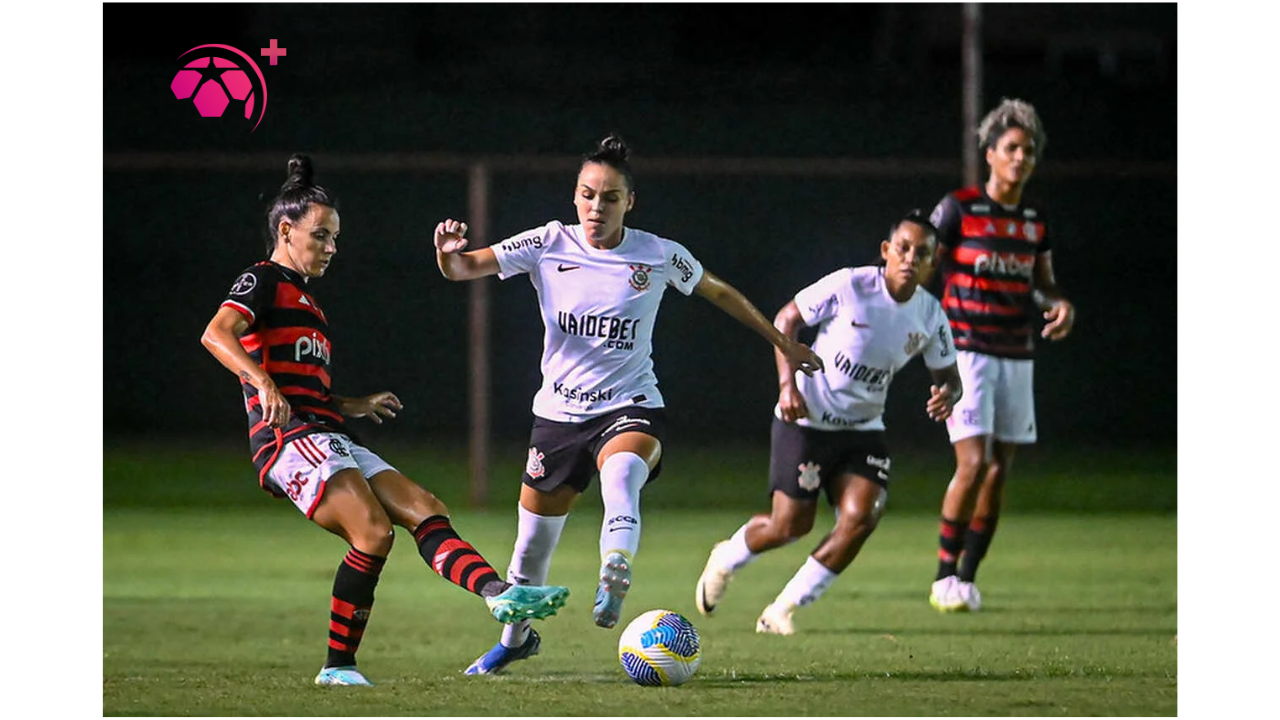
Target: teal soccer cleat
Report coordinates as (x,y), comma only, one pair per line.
(527,602)
(344,675)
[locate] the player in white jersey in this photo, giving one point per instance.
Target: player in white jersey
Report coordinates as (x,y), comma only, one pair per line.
(828,429)
(599,284)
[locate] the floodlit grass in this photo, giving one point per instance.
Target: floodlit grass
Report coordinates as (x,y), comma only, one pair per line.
(224,612)
(216,598)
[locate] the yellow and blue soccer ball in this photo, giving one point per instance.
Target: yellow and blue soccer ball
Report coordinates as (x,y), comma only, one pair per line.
(660,647)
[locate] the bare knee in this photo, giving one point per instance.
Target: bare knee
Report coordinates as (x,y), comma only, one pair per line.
(789,529)
(404,501)
(857,524)
(997,470)
(375,535)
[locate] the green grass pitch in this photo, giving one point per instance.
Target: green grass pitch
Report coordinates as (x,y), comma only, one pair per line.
(215,601)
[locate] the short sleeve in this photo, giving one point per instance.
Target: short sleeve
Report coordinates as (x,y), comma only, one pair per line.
(1045,245)
(946,217)
(520,253)
(940,351)
(684,272)
(252,292)
(821,300)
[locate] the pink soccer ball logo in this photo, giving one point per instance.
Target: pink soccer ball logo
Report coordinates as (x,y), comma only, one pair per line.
(212,83)
(211,95)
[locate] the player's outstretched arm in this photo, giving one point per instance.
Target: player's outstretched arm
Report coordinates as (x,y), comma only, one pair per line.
(455,264)
(736,305)
(790,402)
(944,393)
(222,339)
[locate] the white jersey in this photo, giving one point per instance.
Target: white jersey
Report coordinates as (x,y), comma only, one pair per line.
(598,308)
(865,336)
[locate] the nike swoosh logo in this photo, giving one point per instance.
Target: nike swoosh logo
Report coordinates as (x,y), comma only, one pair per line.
(566,268)
(857,324)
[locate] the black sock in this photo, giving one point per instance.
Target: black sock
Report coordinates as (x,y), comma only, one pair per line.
(950,543)
(977,540)
(454,558)
(352,600)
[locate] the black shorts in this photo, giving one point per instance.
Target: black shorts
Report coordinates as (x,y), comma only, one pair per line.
(562,452)
(803,460)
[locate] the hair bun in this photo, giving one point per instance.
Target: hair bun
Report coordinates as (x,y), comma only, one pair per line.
(615,146)
(300,171)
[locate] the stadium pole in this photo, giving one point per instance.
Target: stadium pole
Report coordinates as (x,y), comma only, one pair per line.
(971,68)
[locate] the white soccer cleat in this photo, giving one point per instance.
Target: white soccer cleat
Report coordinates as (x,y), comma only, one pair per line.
(713,583)
(944,596)
(968,592)
(776,619)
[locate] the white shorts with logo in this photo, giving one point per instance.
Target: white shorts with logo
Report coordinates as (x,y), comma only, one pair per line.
(998,399)
(306,464)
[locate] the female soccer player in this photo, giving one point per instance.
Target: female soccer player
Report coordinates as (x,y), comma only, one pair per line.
(271,332)
(996,266)
(828,430)
(599,284)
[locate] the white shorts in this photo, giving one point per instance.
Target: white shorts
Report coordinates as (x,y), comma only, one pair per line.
(998,399)
(306,464)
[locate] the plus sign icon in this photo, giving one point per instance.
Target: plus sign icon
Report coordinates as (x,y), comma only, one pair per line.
(215,76)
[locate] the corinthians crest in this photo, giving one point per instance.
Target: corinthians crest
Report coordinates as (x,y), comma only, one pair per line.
(640,277)
(810,475)
(534,466)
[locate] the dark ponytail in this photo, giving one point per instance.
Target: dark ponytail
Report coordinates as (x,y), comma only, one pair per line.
(296,197)
(613,151)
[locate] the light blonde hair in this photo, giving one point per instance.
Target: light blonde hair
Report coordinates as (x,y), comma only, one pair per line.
(1012,113)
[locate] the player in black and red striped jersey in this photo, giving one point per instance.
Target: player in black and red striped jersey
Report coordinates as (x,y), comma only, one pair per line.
(272,333)
(996,265)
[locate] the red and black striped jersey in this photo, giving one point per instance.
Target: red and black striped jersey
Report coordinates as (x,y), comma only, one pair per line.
(989,253)
(288,336)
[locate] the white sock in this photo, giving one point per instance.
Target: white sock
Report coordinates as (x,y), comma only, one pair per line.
(735,553)
(621,478)
(808,584)
(536,539)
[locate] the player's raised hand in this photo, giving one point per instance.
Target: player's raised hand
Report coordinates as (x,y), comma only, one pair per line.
(1059,320)
(449,236)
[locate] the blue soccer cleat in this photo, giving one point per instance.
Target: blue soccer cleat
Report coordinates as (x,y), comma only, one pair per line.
(498,658)
(527,602)
(615,581)
(344,675)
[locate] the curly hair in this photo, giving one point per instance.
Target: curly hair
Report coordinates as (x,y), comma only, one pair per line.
(1011,113)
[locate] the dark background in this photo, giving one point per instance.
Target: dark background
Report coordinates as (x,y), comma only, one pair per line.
(819,82)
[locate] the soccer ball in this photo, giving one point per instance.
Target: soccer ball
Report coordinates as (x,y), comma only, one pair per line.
(660,647)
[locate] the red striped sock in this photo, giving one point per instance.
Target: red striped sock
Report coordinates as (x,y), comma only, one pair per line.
(352,601)
(452,557)
(950,544)
(977,541)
